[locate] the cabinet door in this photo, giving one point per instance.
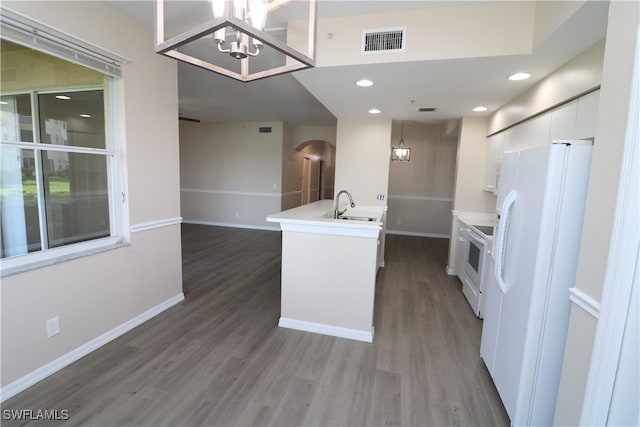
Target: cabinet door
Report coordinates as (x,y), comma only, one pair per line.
(461,250)
(532,134)
(587,116)
(563,121)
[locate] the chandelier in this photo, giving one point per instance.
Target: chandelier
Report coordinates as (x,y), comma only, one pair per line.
(237,30)
(401,152)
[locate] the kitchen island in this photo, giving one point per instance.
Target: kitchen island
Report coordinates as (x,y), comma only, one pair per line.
(329,268)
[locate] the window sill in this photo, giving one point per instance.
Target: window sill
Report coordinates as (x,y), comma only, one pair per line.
(35,260)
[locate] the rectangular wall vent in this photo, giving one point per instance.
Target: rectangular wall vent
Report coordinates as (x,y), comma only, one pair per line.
(264,129)
(384,40)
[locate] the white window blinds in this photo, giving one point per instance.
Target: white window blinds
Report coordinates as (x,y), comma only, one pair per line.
(44,41)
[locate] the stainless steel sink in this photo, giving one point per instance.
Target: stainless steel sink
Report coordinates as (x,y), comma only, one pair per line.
(357,218)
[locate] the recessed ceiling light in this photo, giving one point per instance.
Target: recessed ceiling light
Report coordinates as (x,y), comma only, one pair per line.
(374,111)
(480,108)
(519,76)
(364,83)
(65,97)
(86,116)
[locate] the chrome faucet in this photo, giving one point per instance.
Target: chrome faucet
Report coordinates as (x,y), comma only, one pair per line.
(336,207)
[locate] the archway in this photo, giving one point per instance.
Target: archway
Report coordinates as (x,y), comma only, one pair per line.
(317,170)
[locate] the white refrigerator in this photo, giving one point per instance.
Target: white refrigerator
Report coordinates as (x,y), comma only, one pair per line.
(539,216)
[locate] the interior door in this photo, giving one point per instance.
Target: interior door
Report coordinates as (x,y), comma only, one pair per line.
(310,180)
(306,180)
(314,180)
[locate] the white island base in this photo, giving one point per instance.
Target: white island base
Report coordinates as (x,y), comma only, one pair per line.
(329,270)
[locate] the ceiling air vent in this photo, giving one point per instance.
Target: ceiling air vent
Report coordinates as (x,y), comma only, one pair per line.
(427,109)
(384,40)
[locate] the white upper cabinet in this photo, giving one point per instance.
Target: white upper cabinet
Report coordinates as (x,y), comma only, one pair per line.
(587,116)
(530,134)
(563,121)
(573,120)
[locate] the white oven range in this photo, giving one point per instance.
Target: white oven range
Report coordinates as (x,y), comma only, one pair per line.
(475,260)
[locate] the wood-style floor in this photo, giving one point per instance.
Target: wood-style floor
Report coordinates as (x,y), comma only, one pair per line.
(219,357)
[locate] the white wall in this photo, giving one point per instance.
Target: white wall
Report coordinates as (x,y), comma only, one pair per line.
(494,29)
(611,128)
(362,159)
(303,134)
(291,171)
(550,16)
(469,196)
(95,294)
(233,175)
(340,296)
(421,190)
(230,173)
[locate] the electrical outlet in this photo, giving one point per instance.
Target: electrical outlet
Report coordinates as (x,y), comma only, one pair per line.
(236,214)
(380,197)
(399,221)
(53,327)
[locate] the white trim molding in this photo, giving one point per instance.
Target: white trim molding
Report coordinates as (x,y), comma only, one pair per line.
(34,260)
(417,234)
(292,193)
(231,225)
(156,224)
(65,360)
(420,198)
(585,302)
(232,193)
(320,328)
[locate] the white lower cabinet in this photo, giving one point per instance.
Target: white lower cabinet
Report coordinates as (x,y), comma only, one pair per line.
(461,249)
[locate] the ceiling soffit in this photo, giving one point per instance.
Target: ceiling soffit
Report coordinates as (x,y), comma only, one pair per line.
(455,32)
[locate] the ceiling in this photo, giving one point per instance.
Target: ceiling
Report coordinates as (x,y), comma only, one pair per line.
(315,97)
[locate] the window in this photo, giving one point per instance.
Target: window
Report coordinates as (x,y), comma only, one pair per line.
(60,181)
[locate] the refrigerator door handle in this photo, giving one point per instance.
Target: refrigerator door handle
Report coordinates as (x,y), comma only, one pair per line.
(503,232)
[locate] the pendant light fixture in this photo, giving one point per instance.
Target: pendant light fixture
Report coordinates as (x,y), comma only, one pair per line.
(401,153)
(239,48)
(243,22)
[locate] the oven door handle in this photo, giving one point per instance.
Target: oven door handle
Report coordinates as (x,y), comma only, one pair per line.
(472,236)
(503,234)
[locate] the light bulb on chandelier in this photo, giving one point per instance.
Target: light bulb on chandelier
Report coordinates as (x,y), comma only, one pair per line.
(257,12)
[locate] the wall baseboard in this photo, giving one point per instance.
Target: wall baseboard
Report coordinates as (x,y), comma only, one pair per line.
(320,328)
(231,225)
(65,360)
(259,227)
(416,234)
(420,198)
(231,193)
